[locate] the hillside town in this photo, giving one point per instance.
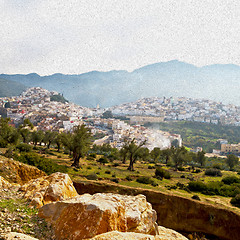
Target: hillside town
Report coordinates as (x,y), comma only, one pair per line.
(182,108)
(38,105)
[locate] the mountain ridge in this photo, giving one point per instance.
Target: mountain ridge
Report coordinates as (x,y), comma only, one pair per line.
(173,78)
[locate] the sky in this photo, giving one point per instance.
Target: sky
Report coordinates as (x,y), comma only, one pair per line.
(76,36)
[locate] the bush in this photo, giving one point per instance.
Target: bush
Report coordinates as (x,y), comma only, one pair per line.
(92,176)
(230,180)
(197,170)
(196,186)
(160,172)
(196,197)
(93,155)
(182,176)
(151,167)
(23,147)
(154,184)
(108,172)
(116,164)
(116,180)
(129,178)
(103,160)
(213,172)
(41,163)
(145,180)
(235,201)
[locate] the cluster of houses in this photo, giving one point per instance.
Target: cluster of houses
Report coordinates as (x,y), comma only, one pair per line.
(37,105)
(199,110)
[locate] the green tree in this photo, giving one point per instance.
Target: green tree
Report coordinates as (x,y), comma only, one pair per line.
(37,137)
(232,161)
(179,156)
(167,153)
(81,143)
(49,138)
(107,114)
(200,158)
(155,153)
(132,149)
(8,134)
(24,130)
(59,140)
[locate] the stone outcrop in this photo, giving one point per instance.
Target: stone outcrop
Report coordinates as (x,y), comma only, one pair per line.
(4,184)
(164,234)
(17,172)
(14,236)
(55,187)
(88,215)
(178,213)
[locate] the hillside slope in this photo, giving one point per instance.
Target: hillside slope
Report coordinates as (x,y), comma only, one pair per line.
(10,88)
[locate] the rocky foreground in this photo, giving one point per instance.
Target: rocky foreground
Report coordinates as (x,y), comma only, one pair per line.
(49,207)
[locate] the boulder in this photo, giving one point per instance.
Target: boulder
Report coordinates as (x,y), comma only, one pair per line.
(14,235)
(167,234)
(17,172)
(55,187)
(4,184)
(88,215)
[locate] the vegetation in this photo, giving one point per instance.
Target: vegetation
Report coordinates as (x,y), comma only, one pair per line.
(58,98)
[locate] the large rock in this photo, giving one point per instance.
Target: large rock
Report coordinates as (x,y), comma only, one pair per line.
(17,172)
(55,187)
(14,235)
(165,234)
(178,213)
(88,215)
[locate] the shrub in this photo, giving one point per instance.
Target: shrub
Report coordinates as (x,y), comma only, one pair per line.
(181,169)
(41,163)
(182,176)
(108,172)
(23,147)
(160,172)
(10,152)
(197,170)
(154,184)
(114,175)
(103,160)
(116,180)
(196,186)
(93,155)
(92,176)
(230,180)
(89,167)
(129,178)
(214,172)
(145,180)
(235,201)
(116,164)
(151,167)
(196,197)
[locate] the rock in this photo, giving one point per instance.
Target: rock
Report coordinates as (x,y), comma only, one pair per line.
(4,184)
(88,215)
(17,172)
(166,233)
(14,235)
(55,187)
(115,235)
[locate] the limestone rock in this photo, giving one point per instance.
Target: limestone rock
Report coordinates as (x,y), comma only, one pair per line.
(14,235)
(88,215)
(55,187)
(17,172)
(115,235)
(4,184)
(166,233)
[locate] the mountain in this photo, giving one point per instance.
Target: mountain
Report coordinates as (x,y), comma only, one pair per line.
(174,78)
(10,88)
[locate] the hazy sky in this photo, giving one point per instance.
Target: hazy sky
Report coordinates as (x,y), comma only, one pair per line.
(75,36)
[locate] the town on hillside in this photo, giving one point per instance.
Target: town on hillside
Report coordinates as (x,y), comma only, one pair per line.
(41,108)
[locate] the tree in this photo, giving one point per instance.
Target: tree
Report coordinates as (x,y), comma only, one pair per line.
(232,161)
(81,143)
(107,114)
(24,130)
(59,140)
(37,137)
(123,154)
(167,153)
(179,156)
(49,138)
(132,149)
(8,134)
(200,158)
(155,154)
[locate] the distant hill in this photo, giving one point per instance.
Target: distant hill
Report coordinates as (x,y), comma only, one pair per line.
(173,78)
(10,88)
